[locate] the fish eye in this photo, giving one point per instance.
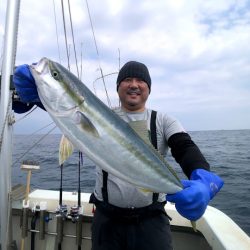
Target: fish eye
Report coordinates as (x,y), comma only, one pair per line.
(55,74)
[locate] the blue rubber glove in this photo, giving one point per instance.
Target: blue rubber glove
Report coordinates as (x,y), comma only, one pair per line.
(192,201)
(26,89)
(25,84)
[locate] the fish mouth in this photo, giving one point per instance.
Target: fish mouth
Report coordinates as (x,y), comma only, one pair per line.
(40,67)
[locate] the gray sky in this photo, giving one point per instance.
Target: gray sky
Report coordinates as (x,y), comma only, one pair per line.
(198,53)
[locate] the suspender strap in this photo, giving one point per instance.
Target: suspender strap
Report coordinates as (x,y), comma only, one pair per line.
(155,197)
(153,141)
(105,186)
(153,129)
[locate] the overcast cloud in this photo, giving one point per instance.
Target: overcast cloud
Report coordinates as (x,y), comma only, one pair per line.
(198,53)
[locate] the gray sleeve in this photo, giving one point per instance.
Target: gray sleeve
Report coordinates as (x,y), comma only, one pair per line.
(166,127)
(170,126)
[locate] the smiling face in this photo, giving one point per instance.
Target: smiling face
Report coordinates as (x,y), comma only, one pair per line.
(133,93)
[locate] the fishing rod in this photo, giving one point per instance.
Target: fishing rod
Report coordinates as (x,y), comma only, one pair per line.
(80,214)
(61,213)
(80,163)
(60,190)
(76,212)
(33,227)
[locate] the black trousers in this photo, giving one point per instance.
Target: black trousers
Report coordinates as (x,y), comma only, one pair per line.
(149,233)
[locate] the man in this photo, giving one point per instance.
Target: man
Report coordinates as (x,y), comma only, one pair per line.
(148,228)
(129,218)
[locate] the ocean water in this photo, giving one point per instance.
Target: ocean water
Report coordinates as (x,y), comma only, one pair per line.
(228,153)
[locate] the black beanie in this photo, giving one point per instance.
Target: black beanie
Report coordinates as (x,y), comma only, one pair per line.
(134,69)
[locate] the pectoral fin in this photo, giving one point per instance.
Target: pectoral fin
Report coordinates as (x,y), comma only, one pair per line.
(85,124)
(66,149)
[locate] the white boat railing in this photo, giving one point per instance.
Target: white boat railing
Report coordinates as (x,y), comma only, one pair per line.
(9,52)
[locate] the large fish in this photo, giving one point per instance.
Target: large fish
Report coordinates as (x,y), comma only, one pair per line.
(99,132)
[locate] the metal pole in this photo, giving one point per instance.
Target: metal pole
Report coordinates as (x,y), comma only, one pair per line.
(10,42)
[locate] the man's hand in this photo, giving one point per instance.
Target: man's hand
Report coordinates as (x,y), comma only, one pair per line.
(25,84)
(26,89)
(192,201)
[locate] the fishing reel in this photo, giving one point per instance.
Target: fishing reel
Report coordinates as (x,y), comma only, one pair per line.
(62,210)
(74,213)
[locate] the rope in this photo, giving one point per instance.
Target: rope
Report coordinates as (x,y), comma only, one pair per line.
(81,64)
(119,58)
(42,128)
(92,28)
(59,55)
(26,114)
(29,149)
(97,52)
(114,73)
(73,39)
(65,33)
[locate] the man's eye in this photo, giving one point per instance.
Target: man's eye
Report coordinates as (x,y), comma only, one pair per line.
(128,79)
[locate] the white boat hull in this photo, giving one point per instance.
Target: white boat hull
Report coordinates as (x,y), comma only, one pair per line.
(215,229)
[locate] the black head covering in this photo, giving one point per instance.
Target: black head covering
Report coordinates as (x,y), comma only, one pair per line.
(134,69)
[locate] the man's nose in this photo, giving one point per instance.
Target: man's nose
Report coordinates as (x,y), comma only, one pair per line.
(134,83)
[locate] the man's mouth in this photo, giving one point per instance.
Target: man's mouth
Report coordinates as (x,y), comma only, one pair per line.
(133,92)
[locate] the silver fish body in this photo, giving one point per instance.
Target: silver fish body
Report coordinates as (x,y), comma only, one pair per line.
(99,132)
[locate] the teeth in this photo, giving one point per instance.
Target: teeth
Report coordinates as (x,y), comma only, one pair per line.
(133,92)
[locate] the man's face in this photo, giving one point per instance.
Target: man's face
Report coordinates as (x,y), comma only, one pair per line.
(133,93)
